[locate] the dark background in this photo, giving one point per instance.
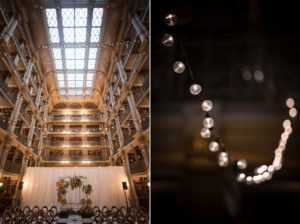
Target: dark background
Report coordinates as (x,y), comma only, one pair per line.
(225,42)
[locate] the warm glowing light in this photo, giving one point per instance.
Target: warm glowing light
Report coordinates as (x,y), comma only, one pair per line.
(261,169)
(148,184)
(284,136)
(293,112)
(241,177)
(287,124)
(290,102)
(1,184)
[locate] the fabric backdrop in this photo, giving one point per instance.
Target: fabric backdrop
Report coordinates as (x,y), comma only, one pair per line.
(39,186)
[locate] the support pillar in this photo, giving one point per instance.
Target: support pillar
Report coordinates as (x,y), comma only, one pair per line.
(14,115)
(135,201)
(121,71)
(139,27)
(12,25)
(30,134)
(3,157)
(134,112)
(17,196)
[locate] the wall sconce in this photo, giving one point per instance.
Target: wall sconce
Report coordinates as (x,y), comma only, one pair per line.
(125,187)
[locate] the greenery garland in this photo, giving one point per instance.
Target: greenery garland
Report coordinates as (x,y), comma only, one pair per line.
(62,186)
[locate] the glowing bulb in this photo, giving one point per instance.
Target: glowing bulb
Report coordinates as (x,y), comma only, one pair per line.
(178,67)
(290,102)
(171,19)
(242,164)
(208,122)
(214,146)
(207,105)
(223,159)
(261,169)
(249,180)
(240,177)
(284,136)
(267,175)
(286,124)
(271,169)
(1,184)
(293,112)
(205,133)
(289,130)
(167,40)
(195,89)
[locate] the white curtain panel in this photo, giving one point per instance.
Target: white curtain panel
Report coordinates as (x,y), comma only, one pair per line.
(39,186)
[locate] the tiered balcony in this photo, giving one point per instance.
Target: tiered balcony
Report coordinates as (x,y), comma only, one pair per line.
(74,131)
(4,117)
(84,144)
(76,118)
(75,155)
(12,167)
(137,167)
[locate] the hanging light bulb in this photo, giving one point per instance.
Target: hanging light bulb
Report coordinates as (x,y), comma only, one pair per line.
(195,89)
(208,122)
(293,112)
(242,164)
(249,180)
(290,102)
(167,40)
(207,105)
(286,124)
(205,133)
(240,177)
(171,19)
(178,67)
(214,146)
(223,159)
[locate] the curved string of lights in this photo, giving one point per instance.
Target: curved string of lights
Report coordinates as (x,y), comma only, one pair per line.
(261,173)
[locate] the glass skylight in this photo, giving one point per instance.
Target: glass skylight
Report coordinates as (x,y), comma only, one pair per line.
(70,35)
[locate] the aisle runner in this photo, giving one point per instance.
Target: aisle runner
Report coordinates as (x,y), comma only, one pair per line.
(39,186)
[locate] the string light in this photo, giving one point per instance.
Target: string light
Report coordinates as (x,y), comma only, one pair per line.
(261,173)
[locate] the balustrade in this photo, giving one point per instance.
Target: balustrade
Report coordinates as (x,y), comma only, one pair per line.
(12,167)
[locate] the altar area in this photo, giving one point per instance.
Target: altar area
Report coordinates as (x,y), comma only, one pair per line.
(40,186)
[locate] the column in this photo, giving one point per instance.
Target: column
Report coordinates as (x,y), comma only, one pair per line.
(134,112)
(3,157)
(111,96)
(28,71)
(16,60)
(14,115)
(119,131)
(30,134)
(38,97)
(139,28)
(121,71)
(143,148)
(17,195)
(135,202)
(12,25)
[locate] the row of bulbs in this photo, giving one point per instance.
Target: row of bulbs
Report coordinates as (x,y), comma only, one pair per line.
(45,46)
(261,173)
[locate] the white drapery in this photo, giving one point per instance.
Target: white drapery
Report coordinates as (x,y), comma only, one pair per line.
(39,186)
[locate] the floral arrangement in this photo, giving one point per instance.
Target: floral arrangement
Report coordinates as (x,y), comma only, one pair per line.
(75,182)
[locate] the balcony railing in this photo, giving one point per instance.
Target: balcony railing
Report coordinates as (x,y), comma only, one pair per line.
(79,143)
(12,167)
(22,139)
(137,167)
(74,130)
(145,123)
(127,139)
(76,158)
(76,118)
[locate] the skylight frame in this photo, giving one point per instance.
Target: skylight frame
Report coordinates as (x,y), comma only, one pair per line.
(82,65)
